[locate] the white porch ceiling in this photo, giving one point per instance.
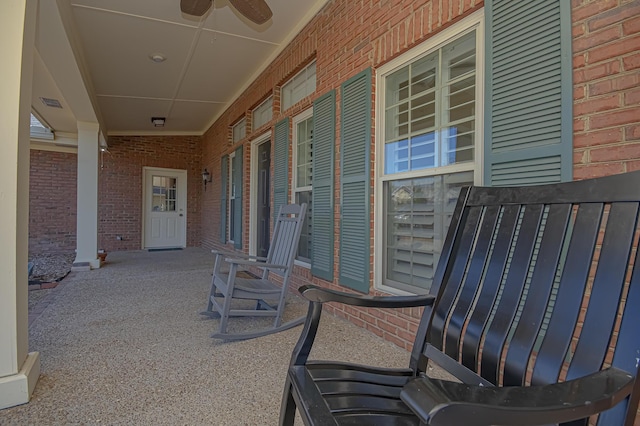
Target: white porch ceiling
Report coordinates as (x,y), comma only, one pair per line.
(209,61)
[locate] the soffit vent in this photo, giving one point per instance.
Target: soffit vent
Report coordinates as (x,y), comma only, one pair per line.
(53,103)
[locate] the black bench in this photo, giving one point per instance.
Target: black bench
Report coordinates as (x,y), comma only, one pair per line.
(534,307)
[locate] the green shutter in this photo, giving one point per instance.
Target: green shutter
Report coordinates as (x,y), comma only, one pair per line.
(355,227)
(280,166)
(237,180)
(324,134)
(528,96)
(224,166)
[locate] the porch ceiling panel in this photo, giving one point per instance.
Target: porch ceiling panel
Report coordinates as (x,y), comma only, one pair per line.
(221,63)
(153,9)
(121,65)
(209,59)
(134,113)
(184,112)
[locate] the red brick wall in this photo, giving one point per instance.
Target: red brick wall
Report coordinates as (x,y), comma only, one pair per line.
(52,202)
(348,37)
(606,60)
(120,185)
(344,38)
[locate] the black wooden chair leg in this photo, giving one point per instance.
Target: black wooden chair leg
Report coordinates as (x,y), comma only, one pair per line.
(288,408)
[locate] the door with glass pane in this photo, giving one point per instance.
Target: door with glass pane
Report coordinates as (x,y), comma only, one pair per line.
(165,208)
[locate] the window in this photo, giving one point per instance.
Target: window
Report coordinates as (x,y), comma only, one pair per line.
(301,85)
(303,177)
(39,130)
(164,194)
(262,114)
(430,133)
(239,130)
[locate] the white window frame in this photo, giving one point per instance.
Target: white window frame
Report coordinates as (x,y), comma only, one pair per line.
(262,110)
(473,22)
(232,197)
(305,115)
(303,77)
(239,130)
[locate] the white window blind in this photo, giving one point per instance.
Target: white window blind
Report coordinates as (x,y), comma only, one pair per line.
(418,214)
(303,178)
(430,110)
(429,153)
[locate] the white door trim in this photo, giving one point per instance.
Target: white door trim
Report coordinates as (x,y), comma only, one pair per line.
(181,201)
(253,192)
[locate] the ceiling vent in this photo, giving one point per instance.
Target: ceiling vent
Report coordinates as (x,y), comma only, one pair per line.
(53,103)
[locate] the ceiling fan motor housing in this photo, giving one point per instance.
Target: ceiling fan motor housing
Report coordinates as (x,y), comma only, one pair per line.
(195,7)
(257,11)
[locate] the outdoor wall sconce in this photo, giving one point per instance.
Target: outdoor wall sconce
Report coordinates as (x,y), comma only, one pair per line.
(206,178)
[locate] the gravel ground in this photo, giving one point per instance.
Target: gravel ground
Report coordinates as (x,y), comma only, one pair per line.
(50,267)
(124,344)
(35,296)
(47,268)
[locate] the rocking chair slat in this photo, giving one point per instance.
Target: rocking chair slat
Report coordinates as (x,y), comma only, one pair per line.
(539,292)
(562,323)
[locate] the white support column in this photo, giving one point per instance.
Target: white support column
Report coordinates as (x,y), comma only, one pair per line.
(87,216)
(19,370)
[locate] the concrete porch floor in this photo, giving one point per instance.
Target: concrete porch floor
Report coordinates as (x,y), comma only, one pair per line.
(125,344)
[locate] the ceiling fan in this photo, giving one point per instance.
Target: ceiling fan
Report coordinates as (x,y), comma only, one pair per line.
(255,10)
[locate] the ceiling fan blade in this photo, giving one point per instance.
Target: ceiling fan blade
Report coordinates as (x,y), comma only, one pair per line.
(255,10)
(195,7)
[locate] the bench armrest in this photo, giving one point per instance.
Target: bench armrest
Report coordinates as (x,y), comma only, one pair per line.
(440,402)
(319,295)
(323,295)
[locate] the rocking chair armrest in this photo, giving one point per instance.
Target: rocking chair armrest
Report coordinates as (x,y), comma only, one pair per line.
(441,402)
(319,295)
(322,295)
(258,263)
(231,254)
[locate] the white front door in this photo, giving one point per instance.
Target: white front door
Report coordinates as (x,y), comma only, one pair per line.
(165,224)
